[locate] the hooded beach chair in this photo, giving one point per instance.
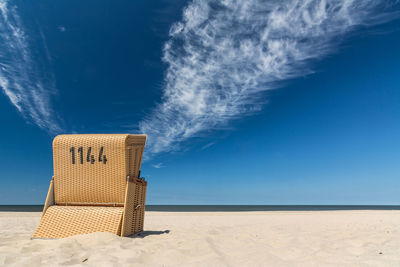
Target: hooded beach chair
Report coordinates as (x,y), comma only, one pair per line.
(95,187)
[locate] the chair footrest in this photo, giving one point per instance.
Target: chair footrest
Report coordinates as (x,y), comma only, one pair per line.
(64,221)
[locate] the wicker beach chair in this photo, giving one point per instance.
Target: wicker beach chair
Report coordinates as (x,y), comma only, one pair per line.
(95,187)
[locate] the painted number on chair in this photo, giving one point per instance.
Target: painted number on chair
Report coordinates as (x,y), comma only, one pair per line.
(86,156)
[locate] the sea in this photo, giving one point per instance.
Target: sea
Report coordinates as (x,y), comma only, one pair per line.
(227,208)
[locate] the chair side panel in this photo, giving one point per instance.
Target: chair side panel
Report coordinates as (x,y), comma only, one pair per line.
(50,198)
(143,190)
(127,218)
(135,147)
(133,220)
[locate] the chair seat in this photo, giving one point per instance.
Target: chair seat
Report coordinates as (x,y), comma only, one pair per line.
(64,221)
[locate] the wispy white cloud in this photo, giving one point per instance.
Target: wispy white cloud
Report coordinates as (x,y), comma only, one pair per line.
(224,54)
(207,146)
(22,82)
(158,165)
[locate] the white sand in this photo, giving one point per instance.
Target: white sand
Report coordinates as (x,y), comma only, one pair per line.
(330,238)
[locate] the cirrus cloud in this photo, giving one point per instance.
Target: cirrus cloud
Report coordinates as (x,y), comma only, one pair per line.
(224,54)
(21,80)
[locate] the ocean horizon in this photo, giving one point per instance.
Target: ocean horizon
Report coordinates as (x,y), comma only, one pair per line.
(225,208)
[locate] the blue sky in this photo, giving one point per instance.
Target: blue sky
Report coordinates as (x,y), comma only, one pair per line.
(250,103)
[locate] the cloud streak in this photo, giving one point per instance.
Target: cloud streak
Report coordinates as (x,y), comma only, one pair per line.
(223,55)
(20,77)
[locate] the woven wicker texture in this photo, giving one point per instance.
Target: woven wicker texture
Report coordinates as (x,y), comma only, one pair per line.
(64,221)
(135,149)
(91,169)
(133,220)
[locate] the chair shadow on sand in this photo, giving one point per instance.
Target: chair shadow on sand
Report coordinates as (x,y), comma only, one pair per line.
(148,233)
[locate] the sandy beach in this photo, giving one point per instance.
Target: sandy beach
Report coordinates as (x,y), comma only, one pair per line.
(314,238)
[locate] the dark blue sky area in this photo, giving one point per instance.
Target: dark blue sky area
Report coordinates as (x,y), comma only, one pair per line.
(331,137)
